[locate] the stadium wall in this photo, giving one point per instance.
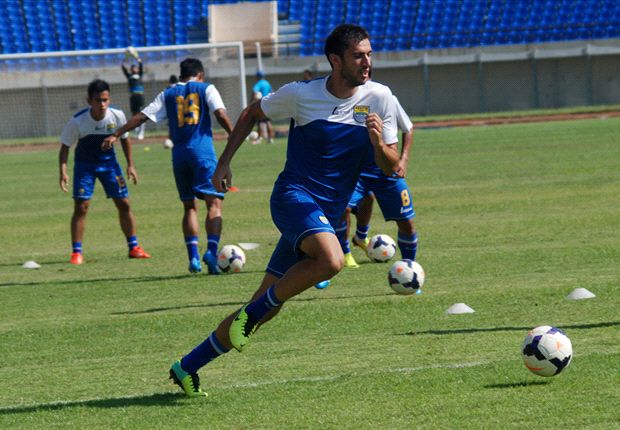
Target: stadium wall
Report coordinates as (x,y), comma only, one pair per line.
(441,82)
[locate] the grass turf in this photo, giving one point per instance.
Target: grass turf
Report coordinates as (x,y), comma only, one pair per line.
(511,219)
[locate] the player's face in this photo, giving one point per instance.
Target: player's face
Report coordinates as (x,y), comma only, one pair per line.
(356,63)
(99,103)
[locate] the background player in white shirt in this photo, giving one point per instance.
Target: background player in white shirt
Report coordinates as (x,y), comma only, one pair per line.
(87,129)
(393,196)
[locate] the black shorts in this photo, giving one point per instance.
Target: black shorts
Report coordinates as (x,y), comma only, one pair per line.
(136,103)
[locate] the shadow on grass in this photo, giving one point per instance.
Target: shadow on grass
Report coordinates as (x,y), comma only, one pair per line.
(159,399)
(494,329)
(91,280)
(214,305)
(517,384)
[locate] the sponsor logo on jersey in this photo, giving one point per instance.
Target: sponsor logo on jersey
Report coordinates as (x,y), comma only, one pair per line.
(360,112)
(323,219)
(111,126)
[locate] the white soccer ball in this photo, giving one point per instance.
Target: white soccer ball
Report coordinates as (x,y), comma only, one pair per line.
(253,135)
(231,258)
(406,277)
(168,144)
(381,248)
(546,351)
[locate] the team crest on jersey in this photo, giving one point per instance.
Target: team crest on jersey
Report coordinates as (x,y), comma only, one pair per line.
(360,113)
(323,219)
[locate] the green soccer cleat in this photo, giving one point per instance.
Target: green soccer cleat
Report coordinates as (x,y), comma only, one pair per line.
(189,382)
(241,329)
(361,243)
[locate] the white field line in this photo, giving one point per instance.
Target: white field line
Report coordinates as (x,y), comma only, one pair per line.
(324,378)
(310,379)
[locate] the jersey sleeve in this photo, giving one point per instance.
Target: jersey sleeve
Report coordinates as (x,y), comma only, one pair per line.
(389,117)
(403,120)
(214,99)
(70,134)
(281,103)
(156,110)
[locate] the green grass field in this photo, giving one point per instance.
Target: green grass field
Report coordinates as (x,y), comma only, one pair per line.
(511,219)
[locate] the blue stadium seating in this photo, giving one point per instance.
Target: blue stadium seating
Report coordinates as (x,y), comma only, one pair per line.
(50,25)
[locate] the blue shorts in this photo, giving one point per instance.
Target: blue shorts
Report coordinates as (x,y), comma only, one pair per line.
(297,215)
(393,196)
(193,177)
(109,174)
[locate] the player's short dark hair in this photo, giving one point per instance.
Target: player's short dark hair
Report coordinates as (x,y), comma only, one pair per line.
(342,37)
(96,87)
(173,79)
(191,67)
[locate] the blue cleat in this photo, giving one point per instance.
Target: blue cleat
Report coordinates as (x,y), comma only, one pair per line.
(322,285)
(195,266)
(211,262)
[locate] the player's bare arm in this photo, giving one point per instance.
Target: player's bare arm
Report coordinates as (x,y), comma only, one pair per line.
(63,156)
(407,138)
(222,177)
(222,118)
(386,155)
(132,173)
(134,122)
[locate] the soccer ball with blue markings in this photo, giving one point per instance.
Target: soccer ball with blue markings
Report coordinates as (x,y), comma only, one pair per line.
(406,277)
(231,259)
(547,351)
(381,248)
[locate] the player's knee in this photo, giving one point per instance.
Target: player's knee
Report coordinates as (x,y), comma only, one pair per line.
(81,208)
(123,205)
(406,227)
(332,265)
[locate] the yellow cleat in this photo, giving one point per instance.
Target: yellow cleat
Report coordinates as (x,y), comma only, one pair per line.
(349,261)
(361,243)
(189,382)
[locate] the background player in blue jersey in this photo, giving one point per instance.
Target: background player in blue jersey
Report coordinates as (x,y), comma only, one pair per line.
(336,123)
(87,129)
(262,88)
(136,86)
(187,107)
(393,196)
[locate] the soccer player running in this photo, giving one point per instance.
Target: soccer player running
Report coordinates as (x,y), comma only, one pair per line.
(87,129)
(336,121)
(187,106)
(393,196)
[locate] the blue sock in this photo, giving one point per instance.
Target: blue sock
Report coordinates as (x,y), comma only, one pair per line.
(259,308)
(361,231)
(77,246)
(213,243)
(207,351)
(341,234)
(132,242)
(191,242)
(408,245)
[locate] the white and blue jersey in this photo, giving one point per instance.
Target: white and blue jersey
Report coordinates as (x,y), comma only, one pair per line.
(327,145)
(187,106)
(91,162)
(391,192)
